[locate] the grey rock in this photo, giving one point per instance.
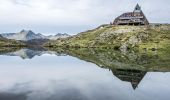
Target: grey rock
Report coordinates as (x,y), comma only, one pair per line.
(57,36)
(26,35)
(124,47)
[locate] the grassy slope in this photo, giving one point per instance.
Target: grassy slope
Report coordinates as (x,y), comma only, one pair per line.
(115,36)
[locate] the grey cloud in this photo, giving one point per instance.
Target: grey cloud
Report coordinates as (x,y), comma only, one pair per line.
(63,13)
(21,2)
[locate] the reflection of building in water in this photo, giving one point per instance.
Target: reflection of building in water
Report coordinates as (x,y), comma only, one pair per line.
(133,76)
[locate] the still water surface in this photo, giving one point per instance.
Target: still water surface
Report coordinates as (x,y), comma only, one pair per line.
(28,74)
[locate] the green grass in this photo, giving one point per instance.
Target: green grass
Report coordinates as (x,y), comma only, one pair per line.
(10,43)
(109,36)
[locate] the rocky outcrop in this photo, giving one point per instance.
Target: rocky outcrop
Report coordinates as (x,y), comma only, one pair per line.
(27,35)
(57,36)
(24,35)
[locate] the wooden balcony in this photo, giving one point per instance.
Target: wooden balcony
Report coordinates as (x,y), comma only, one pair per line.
(130,22)
(137,17)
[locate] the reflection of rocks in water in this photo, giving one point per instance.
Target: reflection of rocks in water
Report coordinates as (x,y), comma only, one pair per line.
(140,58)
(133,76)
(4,50)
(105,58)
(109,58)
(25,53)
(29,53)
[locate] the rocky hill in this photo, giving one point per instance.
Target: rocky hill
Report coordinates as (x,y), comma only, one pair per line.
(57,36)
(27,35)
(23,35)
(119,37)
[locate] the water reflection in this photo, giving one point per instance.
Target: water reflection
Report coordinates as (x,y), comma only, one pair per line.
(132,76)
(70,76)
(27,53)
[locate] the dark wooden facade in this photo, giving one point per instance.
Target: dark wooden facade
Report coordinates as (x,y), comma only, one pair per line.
(128,75)
(136,17)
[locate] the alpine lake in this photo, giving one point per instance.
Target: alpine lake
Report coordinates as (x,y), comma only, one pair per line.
(83,74)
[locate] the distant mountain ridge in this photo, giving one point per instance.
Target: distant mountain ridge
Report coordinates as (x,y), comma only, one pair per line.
(26,35)
(29,53)
(57,36)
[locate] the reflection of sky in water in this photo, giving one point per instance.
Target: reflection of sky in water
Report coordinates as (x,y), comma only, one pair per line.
(51,77)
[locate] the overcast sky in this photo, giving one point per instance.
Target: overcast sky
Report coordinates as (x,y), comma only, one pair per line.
(73,16)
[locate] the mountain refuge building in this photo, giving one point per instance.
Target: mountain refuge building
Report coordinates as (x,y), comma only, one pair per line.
(136,17)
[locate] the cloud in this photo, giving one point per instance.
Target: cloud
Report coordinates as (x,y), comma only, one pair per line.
(78,13)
